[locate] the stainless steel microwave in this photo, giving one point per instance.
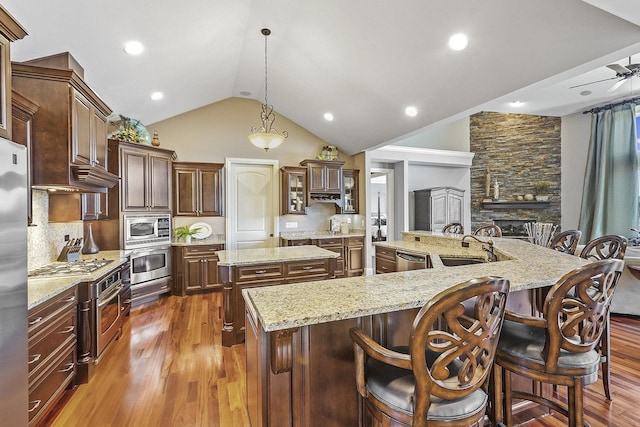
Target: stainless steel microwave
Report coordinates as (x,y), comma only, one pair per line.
(146,230)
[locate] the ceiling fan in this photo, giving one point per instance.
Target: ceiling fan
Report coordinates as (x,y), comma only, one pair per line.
(622,74)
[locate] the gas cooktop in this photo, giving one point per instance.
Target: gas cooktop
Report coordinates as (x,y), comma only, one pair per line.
(75,268)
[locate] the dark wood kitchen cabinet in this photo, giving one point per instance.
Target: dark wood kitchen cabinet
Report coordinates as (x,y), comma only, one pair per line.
(70,128)
(22,111)
(354,256)
(350,191)
(195,269)
(335,244)
(351,250)
(145,177)
(10,31)
(385,260)
(294,190)
(324,181)
(197,189)
(52,351)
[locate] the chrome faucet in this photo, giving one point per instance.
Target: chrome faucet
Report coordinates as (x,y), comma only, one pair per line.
(491,257)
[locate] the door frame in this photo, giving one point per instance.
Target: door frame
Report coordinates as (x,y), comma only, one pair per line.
(230,200)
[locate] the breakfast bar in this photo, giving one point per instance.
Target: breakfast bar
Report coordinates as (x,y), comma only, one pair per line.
(299,355)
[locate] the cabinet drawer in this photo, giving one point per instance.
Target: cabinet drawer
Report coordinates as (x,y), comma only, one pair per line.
(202,249)
(334,241)
(43,394)
(300,269)
(40,315)
(387,253)
(301,242)
(385,266)
(44,345)
(354,241)
(259,272)
(155,287)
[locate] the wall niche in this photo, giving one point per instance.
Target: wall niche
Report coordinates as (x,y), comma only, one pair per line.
(518,149)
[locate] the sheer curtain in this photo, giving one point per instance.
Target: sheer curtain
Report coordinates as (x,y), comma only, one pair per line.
(610,197)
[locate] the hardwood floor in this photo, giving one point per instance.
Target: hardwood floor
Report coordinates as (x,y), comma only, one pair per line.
(170,369)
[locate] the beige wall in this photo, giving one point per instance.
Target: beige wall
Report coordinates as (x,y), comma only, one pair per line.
(216,131)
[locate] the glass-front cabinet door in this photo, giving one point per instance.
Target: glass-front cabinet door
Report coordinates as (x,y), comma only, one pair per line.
(294,190)
(350,182)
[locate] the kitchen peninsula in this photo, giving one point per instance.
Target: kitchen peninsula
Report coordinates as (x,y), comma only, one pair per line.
(250,268)
(298,351)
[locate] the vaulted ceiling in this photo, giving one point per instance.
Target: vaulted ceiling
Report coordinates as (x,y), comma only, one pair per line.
(362,60)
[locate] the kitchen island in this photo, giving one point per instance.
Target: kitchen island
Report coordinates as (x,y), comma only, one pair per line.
(251,268)
(300,368)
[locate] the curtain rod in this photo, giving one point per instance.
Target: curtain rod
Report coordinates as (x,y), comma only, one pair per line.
(608,106)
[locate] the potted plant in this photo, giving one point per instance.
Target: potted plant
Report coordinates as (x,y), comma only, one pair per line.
(541,190)
(185,233)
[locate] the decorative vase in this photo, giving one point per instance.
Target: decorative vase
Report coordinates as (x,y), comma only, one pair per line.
(542,198)
(187,239)
(90,246)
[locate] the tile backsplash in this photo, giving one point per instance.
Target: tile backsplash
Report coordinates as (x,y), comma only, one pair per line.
(46,240)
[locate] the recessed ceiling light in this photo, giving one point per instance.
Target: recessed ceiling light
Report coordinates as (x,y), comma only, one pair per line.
(157,96)
(133,47)
(585,92)
(458,41)
(516,103)
(328,117)
(411,111)
(245,93)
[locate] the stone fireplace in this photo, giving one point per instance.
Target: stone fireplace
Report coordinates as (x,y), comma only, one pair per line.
(517,150)
(513,227)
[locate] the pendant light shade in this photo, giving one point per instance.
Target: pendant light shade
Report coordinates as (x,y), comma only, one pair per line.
(266,136)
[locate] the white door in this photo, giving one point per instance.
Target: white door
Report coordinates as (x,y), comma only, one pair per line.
(252,193)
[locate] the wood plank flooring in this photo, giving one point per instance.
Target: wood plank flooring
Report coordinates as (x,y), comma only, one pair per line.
(170,369)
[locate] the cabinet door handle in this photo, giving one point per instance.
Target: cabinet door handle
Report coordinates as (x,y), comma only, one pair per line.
(35,358)
(261,271)
(70,299)
(68,368)
(36,404)
(36,320)
(127,301)
(307,267)
(384,268)
(68,329)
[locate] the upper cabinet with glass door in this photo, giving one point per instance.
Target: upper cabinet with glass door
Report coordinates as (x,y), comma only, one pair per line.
(350,183)
(294,190)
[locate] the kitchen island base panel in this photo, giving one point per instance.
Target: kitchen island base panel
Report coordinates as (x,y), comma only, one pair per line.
(306,376)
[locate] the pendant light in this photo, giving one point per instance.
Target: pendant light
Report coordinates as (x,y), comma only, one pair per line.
(266,137)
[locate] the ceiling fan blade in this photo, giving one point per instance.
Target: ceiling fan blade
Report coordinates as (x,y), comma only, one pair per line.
(619,69)
(616,85)
(590,83)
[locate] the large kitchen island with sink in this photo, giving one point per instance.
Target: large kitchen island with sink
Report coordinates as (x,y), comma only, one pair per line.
(300,362)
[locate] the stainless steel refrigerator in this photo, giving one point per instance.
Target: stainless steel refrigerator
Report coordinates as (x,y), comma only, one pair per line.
(13,284)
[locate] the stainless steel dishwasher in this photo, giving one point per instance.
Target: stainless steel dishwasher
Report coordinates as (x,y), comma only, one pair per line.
(407,261)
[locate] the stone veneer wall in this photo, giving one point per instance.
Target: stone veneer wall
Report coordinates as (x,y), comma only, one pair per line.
(518,149)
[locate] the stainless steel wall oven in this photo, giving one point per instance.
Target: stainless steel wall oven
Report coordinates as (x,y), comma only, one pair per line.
(150,273)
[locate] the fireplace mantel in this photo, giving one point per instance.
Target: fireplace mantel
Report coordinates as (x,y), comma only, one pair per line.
(515,204)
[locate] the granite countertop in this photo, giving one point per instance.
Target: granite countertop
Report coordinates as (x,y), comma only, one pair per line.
(526,266)
(212,240)
(40,289)
(268,255)
(301,235)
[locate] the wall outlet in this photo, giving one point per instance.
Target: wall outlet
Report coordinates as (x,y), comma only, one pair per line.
(290,225)
(66,237)
(348,220)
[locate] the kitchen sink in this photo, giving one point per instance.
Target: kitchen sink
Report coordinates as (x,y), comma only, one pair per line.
(456,261)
